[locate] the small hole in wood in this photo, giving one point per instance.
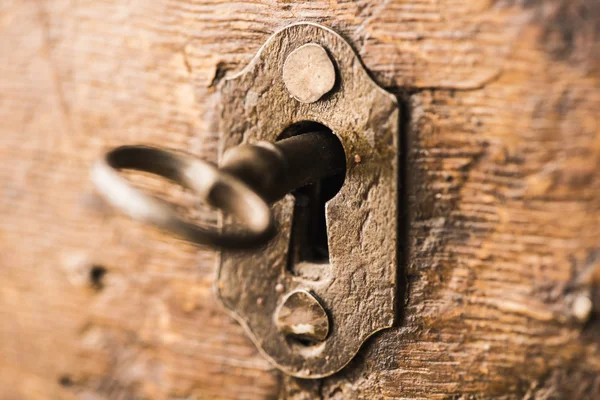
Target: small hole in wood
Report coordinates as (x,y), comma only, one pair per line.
(65,380)
(97,273)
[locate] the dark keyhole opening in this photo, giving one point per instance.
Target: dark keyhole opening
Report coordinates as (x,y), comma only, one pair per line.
(309,250)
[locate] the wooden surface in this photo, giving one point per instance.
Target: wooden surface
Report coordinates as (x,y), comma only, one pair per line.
(502,176)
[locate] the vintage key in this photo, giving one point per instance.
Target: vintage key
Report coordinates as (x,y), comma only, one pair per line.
(251,177)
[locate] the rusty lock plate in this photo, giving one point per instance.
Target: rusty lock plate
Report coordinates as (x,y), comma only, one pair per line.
(355,294)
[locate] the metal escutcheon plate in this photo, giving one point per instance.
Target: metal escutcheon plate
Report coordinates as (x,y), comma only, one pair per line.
(358,288)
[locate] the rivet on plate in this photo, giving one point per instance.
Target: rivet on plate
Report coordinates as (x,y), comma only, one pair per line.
(301,316)
(308,73)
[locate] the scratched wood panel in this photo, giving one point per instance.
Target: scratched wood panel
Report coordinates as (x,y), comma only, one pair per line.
(503,180)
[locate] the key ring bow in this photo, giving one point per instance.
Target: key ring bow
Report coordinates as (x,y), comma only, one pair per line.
(251,177)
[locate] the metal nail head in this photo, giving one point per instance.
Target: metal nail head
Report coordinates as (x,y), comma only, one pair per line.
(308,73)
(302,316)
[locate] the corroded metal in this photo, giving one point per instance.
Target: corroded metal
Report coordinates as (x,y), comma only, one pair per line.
(250,177)
(357,287)
(218,188)
(275,169)
(308,73)
(302,317)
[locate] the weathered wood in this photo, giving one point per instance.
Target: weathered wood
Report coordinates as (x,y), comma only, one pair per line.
(503,216)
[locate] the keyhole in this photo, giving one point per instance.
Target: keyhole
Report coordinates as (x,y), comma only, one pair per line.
(309,250)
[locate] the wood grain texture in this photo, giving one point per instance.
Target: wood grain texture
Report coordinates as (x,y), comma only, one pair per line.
(502,180)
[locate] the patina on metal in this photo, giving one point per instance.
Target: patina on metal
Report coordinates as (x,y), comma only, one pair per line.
(308,73)
(302,317)
(356,288)
(221,190)
(274,169)
(311,320)
(250,177)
